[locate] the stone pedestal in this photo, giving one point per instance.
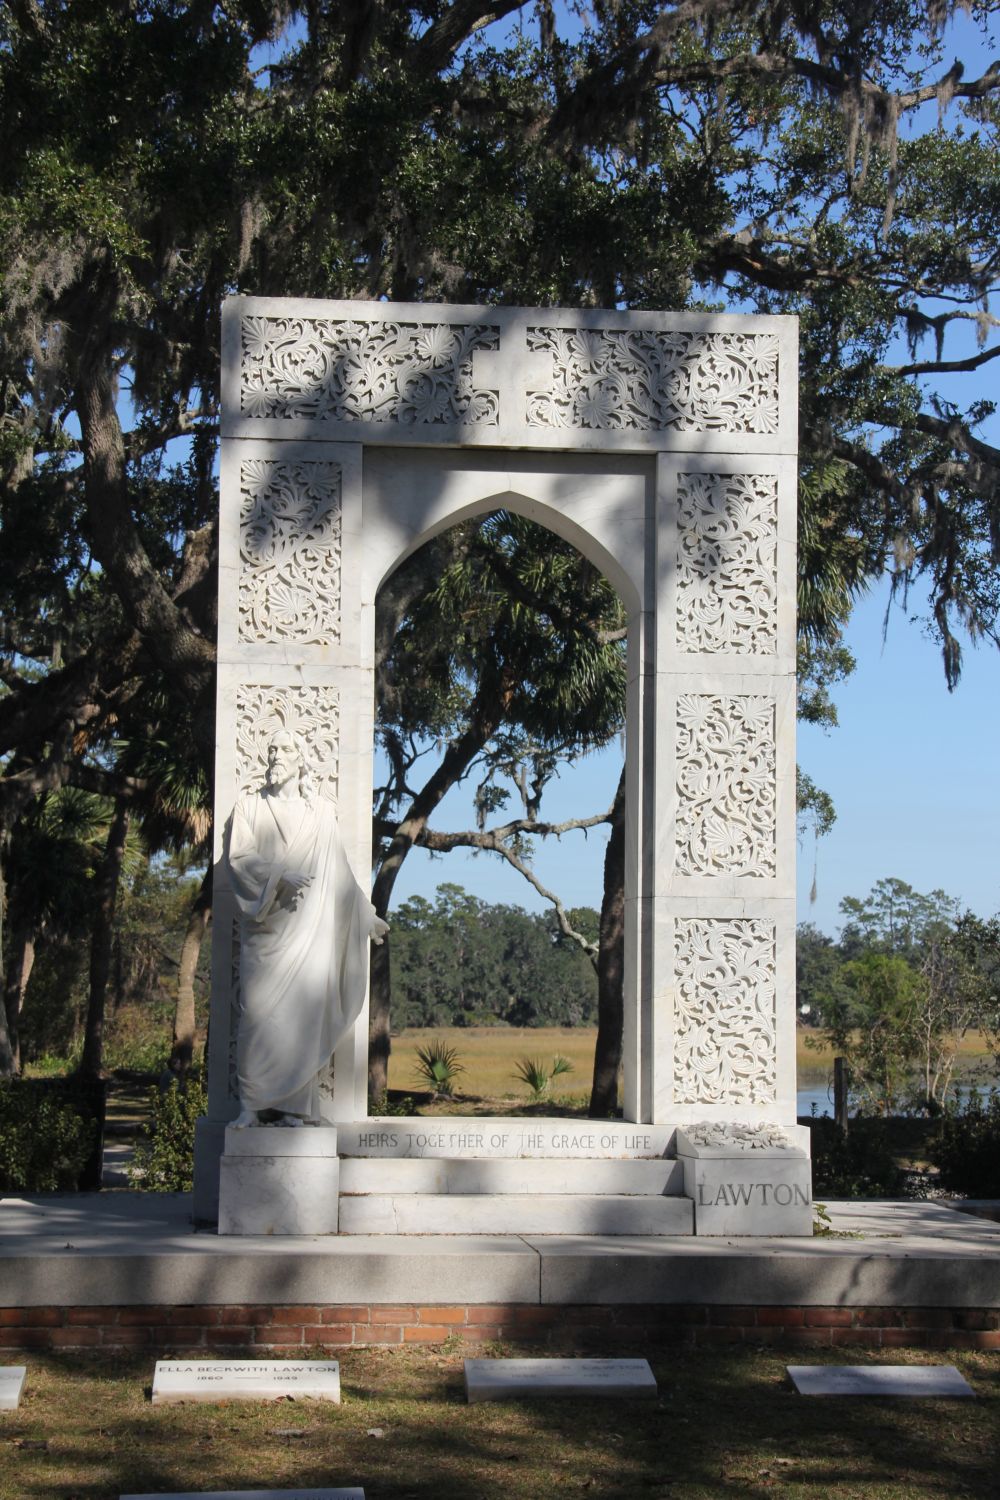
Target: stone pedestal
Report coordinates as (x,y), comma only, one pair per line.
(277,1179)
(747,1180)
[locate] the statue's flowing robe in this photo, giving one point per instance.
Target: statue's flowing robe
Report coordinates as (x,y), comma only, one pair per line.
(303,964)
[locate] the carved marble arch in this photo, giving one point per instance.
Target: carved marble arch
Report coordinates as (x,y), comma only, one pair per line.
(615,565)
(662,447)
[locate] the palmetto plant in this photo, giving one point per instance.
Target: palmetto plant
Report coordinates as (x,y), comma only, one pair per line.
(438,1066)
(534,1072)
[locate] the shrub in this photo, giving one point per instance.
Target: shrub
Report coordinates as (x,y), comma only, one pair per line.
(438,1066)
(48,1133)
(966,1147)
(537,1075)
(858,1165)
(164,1162)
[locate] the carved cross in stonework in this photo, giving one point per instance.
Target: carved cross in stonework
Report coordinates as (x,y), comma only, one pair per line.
(512,372)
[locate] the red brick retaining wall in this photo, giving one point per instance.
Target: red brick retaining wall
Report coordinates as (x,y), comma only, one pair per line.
(564,1328)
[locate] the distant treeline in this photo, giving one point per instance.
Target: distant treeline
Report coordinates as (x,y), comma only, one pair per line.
(910,977)
(459,961)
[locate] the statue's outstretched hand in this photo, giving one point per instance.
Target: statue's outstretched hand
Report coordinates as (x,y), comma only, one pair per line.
(379,928)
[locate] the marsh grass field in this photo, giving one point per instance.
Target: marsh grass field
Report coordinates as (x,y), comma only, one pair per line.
(490,1054)
(727,1423)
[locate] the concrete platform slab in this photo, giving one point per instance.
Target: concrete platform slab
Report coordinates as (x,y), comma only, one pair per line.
(136,1249)
(515,1213)
(372,1174)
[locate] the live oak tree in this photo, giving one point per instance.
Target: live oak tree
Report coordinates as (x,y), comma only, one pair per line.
(825,159)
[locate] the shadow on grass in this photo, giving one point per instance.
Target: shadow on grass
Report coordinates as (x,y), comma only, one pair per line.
(727,1423)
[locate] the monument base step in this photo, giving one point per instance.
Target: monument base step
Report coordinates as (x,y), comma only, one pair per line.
(516,1213)
(473,1175)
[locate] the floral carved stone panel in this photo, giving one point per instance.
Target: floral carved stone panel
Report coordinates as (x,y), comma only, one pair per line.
(312,714)
(290,551)
(724,1023)
(648,380)
(372,371)
(726,785)
(727,576)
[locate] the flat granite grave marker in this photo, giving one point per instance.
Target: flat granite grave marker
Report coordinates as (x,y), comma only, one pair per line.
(350,1494)
(245,1380)
(11,1386)
(879,1380)
(510,1379)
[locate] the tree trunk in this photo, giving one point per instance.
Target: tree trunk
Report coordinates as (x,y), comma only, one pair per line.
(611,969)
(486,714)
(840,1093)
(7,1069)
(106,895)
(186,657)
(20,961)
(182,1050)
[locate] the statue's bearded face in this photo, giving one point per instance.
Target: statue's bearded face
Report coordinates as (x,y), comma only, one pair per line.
(283,759)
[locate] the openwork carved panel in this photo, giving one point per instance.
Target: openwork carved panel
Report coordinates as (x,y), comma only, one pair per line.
(724,1023)
(727,579)
(372,371)
(645,380)
(289,587)
(312,714)
(726,785)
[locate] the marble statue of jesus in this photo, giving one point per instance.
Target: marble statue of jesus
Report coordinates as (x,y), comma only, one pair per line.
(305,924)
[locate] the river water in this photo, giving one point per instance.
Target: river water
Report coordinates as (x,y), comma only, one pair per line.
(822,1098)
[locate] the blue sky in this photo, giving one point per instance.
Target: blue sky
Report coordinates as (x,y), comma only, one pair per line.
(912,769)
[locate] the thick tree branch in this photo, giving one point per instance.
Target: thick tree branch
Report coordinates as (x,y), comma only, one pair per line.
(186,657)
(619,81)
(943,366)
(75,695)
(103,783)
(145,440)
(871,466)
(437,47)
(494,842)
(951,430)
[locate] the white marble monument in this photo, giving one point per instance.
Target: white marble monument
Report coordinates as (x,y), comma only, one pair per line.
(661,445)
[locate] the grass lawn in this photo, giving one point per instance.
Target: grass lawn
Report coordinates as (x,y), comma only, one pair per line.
(490,1055)
(727,1423)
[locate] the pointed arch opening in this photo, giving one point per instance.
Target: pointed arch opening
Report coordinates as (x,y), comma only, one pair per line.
(501,678)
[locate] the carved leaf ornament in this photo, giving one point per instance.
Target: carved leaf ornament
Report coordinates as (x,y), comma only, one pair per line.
(621,380)
(727,583)
(290,539)
(726,785)
(337,370)
(724,1042)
